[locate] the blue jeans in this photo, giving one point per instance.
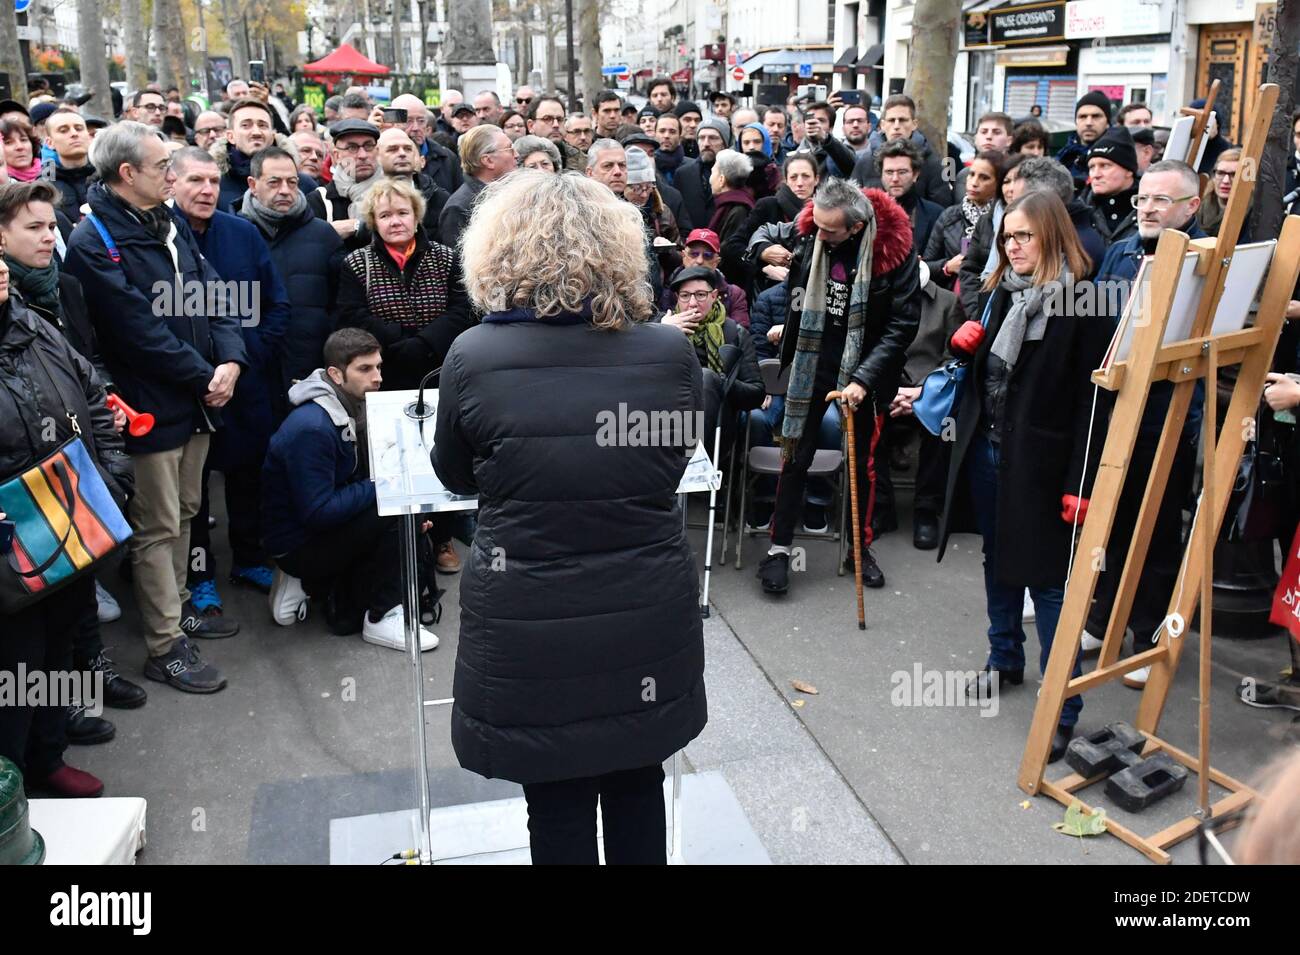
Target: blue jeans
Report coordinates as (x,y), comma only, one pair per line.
(1006,602)
(765,425)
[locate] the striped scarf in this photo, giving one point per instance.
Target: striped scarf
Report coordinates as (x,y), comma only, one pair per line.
(812,322)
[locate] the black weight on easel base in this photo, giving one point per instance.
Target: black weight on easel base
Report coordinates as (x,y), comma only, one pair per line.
(1105,751)
(1145,784)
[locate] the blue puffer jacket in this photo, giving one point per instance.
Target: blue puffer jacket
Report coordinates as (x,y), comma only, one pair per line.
(313,478)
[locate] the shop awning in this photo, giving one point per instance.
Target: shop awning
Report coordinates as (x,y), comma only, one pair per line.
(776,62)
(871,59)
(845,63)
(344,60)
(682,76)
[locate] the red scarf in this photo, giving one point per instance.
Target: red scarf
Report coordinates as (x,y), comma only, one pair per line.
(401,256)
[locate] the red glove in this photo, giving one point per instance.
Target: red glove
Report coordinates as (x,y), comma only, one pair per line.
(965,341)
(1072,507)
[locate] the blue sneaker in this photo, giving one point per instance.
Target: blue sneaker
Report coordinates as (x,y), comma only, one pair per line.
(257,576)
(204,596)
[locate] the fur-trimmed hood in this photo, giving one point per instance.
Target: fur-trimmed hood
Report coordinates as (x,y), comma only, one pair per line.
(219,151)
(893,230)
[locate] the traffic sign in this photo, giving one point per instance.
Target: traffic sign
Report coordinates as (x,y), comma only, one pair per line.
(738,74)
(805,71)
(616,70)
(20,6)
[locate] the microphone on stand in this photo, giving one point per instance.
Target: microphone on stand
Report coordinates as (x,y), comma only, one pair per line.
(417,409)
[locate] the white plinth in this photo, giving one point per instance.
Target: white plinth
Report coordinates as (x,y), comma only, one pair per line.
(104,831)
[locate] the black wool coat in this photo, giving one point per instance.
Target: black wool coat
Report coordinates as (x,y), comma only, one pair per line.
(1049,406)
(581,648)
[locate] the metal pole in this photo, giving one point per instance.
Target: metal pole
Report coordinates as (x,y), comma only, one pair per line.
(568,39)
(411,610)
(675,811)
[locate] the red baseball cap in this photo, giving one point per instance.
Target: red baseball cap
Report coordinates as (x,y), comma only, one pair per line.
(708,237)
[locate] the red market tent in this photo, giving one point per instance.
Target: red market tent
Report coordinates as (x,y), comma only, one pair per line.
(344,60)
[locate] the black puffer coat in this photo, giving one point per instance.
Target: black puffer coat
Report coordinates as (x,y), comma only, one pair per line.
(581,649)
(30,400)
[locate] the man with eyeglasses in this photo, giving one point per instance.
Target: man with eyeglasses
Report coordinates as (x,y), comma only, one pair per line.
(1112,184)
(209,129)
(440,163)
(148,107)
(1166,198)
(486,155)
(898,121)
(703,249)
(524,97)
(180,364)
(546,119)
(354,163)
(578,131)
(311,154)
(250,130)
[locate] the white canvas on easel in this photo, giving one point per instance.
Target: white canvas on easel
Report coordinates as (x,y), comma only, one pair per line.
(1241,286)
(1180,137)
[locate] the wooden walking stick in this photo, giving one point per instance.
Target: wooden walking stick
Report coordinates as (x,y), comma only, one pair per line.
(847,418)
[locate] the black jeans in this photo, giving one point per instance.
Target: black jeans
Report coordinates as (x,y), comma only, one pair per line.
(562,819)
(243,500)
(40,638)
(359,561)
(931,466)
(1164,553)
(794,473)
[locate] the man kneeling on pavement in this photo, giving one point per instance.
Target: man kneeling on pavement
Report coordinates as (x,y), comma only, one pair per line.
(854,305)
(320,521)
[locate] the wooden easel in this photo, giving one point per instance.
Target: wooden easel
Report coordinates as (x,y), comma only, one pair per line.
(1198,357)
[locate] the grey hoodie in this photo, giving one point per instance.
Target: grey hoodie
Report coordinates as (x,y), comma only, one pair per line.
(317,387)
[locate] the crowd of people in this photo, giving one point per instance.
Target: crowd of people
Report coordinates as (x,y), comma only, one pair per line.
(344,254)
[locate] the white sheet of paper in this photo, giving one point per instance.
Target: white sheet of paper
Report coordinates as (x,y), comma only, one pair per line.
(700,474)
(1180,137)
(1245,276)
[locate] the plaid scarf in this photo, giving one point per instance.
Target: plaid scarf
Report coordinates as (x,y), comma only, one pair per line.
(812,322)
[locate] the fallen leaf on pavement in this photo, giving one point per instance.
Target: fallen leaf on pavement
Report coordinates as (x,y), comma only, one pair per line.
(796,703)
(1078,824)
(803,687)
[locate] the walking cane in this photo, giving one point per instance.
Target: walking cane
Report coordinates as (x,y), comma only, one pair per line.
(847,418)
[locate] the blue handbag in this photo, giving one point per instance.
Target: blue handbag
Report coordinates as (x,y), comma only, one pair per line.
(934,405)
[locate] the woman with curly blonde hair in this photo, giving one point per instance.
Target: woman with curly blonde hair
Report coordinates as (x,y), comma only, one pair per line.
(580,666)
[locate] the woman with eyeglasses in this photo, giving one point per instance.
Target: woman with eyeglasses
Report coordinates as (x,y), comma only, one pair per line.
(514,124)
(1214,200)
(951,236)
(1026,442)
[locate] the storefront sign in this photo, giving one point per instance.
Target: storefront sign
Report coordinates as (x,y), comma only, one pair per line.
(1133,58)
(1028,24)
(976,29)
(1105,18)
(1043,56)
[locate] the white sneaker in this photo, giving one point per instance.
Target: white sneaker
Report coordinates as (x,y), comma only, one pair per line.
(1137,679)
(1089,643)
(288,599)
(1027,615)
(108,609)
(391,632)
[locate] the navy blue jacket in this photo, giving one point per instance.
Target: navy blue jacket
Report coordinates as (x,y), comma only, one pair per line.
(303,251)
(769,309)
(313,479)
(238,252)
(160,361)
(1120,264)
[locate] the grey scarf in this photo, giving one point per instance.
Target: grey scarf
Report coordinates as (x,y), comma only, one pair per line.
(355,191)
(270,220)
(1027,319)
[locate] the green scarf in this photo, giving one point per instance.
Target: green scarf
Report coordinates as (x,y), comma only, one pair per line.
(38,287)
(708,335)
(812,322)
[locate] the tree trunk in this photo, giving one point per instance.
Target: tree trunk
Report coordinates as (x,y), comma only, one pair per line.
(137,45)
(551,53)
(168,29)
(94,62)
(234,27)
(11,56)
(589,52)
(929,66)
(399,58)
(1267,211)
